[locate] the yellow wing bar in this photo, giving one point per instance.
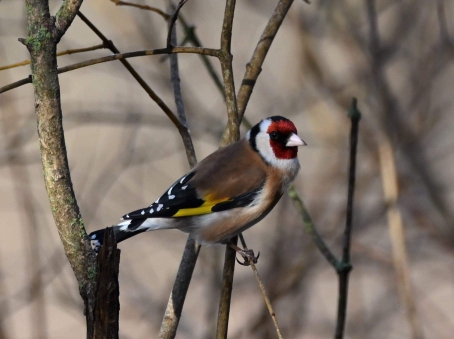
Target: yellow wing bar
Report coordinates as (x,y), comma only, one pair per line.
(204,209)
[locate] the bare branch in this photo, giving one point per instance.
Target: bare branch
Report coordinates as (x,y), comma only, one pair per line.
(148,8)
(179,124)
(175,304)
(69,51)
(254,66)
(226,291)
(263,290)
(230,135)
(172,315)
(344,270)
(175,79)
(192,37)
(65,16)
(120,56)
(231,132)
(310,228)
(172,24)
(41,43)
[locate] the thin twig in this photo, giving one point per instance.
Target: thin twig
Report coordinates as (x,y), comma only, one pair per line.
(310,228)
(175,80)
(148,8)
(172,21)
(120,56)
(181,126)
(192,37)
(254,66)
(262,289)
(176,301)
(175,304)
(345,266)
(69,51)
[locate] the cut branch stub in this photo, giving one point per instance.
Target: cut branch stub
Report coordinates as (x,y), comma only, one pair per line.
(107,307)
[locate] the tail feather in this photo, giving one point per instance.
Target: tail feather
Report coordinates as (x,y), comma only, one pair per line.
(130,228)
(97,237)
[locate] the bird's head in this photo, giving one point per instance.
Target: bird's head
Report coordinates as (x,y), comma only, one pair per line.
(275,138)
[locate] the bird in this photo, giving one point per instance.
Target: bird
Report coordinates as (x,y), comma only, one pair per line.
(226,193)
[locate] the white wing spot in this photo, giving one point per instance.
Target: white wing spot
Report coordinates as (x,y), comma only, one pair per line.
(171,197)
(184,187)
(151,211)
(182,179)
(169,191)
(160,206)
(143,212)
(93,237)
(127,215)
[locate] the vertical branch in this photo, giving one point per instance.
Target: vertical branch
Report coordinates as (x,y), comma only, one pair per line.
(230,135)
(175,80)
(175,304)
(177,297)
(231,132)
(226,291)
(397,234)
(43,36)
(254,66)
(345,267)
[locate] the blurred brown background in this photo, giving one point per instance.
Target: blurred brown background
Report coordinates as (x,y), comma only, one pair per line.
(396,57)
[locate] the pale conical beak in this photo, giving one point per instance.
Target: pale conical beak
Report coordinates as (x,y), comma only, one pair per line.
(295,140)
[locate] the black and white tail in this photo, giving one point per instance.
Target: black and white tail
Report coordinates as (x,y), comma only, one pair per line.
(130,228)
(121,233)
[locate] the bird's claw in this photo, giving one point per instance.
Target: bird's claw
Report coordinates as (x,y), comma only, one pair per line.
(248,255)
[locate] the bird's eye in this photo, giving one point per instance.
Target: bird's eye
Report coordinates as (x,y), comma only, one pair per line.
(274,136)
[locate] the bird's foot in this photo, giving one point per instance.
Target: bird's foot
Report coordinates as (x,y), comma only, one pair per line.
(246,254)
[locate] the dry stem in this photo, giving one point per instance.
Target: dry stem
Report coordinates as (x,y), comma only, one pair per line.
(120,56)
(175,304)
(69,51)
(148,8)
(263,290)
(397,234)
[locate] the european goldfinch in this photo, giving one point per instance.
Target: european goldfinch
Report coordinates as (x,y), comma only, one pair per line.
(226,193)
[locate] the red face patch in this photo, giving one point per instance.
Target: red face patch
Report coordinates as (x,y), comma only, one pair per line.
(279,132)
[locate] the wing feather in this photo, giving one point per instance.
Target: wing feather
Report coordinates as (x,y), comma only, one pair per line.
(237,174)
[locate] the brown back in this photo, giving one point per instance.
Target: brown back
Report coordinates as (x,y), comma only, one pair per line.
(221,170)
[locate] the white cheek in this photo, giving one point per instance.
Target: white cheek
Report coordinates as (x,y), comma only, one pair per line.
(262,141)
(289,166)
